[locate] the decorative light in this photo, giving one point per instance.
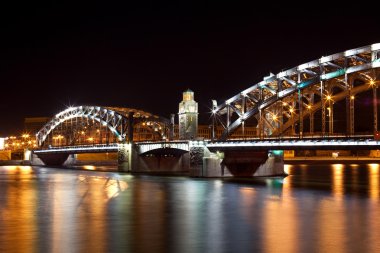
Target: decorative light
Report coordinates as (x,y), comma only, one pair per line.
(352,97)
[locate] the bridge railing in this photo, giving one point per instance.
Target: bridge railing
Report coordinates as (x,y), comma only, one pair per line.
(110,145)
(307,136)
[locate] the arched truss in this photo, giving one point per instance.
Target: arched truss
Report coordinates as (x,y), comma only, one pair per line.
(116,119)
(279,101)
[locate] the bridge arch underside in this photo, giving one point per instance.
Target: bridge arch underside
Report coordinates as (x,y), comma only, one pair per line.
(167,151)
(335,95)
(88,125)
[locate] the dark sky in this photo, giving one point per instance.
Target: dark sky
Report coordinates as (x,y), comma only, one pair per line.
(144,56)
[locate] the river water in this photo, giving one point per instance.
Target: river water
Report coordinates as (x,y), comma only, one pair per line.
(319,208)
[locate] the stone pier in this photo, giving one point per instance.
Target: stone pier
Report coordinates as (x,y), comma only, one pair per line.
(124,157)
(235,163)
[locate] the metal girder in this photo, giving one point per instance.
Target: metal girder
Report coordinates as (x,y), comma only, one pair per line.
(115,119)
(284,84)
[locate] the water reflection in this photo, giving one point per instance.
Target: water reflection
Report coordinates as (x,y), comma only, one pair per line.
(374,181)
(280,235)
(337,179)
(17,209)
(354,168)
(314,209)
(358,179)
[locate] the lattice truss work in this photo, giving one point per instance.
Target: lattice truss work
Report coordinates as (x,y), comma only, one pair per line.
(95,124)
(281,104)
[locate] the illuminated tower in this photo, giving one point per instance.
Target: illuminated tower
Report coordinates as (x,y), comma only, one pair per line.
(188,116)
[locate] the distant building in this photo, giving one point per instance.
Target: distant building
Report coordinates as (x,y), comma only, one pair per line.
(34,124)
(188,116)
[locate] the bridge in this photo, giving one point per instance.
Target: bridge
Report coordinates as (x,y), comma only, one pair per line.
(310,106)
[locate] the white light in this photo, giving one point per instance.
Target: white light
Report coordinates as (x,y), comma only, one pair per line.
(375,47)
(229,101)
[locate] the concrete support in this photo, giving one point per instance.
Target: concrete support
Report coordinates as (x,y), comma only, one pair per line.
(35,160)
(164,161)
(237,163)
(51,159)
(124,157)
(273,166)
(197,153)
(213,166)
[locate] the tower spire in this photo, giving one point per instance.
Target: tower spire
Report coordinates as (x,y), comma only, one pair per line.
(188,116)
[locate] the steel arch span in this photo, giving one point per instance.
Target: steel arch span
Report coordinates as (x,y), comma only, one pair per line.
(96,124)
(280,104)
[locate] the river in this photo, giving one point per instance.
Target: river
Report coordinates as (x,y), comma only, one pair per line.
(317,208)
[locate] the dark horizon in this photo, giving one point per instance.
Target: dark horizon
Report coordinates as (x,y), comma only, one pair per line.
(144,57)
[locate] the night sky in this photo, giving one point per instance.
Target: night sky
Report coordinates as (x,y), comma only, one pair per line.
(144,56)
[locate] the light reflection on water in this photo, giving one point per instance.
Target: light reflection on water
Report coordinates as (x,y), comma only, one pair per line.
(317,208)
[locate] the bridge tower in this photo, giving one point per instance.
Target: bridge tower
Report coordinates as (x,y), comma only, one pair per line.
(188,116)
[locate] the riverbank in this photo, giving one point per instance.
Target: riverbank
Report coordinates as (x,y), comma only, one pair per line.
(14,162)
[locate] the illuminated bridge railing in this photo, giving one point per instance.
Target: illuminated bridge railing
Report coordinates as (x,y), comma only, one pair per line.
(294,144)
(97,148)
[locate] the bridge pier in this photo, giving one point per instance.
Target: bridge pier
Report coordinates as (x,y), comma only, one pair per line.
(244,164)
(197,155)
(273,166)
(235,163)
(49,159)
(124,157)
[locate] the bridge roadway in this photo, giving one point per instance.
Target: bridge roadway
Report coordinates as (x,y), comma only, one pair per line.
(251,144)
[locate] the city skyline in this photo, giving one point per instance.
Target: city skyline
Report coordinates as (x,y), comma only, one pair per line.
(144,57)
